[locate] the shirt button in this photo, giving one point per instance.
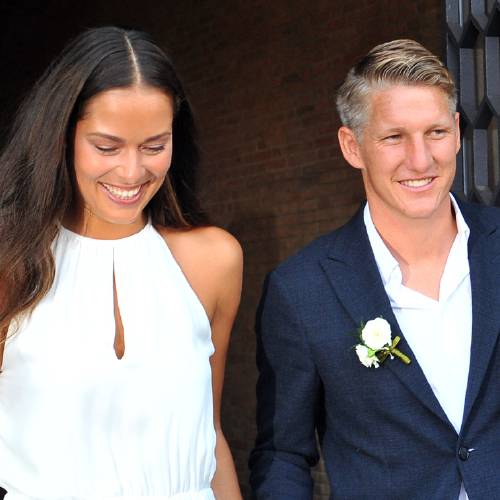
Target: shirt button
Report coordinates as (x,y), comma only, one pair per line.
(463,453)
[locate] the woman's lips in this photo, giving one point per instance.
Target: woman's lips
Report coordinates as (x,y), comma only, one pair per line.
(123,195)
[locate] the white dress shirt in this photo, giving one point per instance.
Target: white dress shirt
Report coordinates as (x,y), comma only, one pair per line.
(438,331)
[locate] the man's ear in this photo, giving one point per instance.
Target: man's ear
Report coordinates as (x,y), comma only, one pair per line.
(457,125)
(349,146)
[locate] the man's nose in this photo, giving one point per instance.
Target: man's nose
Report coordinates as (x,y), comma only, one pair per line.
(419,154)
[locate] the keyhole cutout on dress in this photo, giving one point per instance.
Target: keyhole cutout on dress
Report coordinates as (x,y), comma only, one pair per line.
(119,343)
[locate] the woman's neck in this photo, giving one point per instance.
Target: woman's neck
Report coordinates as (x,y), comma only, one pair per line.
(86,223)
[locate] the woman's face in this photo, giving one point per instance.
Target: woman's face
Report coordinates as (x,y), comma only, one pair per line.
(122,152)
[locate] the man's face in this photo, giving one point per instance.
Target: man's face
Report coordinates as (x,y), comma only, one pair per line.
(407,152)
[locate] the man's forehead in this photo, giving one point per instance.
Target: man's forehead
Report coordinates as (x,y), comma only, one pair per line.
(393,90)
(393,100)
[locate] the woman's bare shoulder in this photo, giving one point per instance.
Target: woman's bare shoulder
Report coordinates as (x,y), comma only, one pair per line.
(207,244)
(212,261)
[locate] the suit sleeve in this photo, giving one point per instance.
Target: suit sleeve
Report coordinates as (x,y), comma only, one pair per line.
(288,394)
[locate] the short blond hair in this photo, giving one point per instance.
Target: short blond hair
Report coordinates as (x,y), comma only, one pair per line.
(399,62)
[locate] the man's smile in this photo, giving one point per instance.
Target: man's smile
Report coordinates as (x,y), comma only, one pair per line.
(416,183)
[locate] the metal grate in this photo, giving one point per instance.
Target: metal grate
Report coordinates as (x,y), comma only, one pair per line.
(473,56)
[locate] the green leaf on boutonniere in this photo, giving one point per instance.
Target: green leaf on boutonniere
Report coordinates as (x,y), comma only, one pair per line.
(376,344)
(393,351)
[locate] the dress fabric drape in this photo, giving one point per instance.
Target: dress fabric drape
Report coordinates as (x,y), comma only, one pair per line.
(76,422)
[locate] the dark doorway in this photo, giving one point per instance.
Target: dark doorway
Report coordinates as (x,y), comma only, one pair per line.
(473,55)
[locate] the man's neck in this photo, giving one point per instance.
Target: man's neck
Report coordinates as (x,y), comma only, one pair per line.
(421,246)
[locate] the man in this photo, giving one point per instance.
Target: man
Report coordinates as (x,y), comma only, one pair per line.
(426,265)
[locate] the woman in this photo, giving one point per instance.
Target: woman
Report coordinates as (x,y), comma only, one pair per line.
(117,300)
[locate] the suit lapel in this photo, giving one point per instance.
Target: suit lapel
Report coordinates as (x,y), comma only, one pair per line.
(484,262)
(352,272)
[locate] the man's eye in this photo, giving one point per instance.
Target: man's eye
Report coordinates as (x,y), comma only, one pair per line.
(438,132)
(153,150)
(392,138)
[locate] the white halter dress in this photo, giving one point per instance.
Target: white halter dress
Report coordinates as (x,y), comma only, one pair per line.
(77,423)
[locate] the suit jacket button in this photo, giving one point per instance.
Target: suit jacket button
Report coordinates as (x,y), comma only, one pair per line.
(463,453)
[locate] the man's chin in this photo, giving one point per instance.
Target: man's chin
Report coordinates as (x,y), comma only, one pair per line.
(423,213)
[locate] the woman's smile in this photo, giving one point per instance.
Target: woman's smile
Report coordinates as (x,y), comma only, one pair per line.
(127,195)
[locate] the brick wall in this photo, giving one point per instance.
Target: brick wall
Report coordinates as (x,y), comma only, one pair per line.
(262,77)
(263,81)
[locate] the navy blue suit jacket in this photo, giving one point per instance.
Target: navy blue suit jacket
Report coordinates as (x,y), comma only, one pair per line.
(382,431)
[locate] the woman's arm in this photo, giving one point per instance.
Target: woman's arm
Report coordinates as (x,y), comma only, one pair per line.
(230,263)
(212,261)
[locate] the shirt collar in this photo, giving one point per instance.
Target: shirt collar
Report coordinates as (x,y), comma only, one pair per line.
(386,263)
(462,227)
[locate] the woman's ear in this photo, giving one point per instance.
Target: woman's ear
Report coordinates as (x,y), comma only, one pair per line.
(350,147)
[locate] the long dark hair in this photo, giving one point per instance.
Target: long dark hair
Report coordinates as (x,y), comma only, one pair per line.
(36,166)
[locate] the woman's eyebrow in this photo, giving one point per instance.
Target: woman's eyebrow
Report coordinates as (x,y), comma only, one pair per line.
(114,138)
(157,137)
(102,135)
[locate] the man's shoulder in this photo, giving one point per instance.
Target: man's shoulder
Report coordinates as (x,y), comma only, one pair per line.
(480,215)
(309,254)
(306,262)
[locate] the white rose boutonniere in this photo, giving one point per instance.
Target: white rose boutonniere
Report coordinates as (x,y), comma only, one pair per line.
(364,356)
(376,344)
